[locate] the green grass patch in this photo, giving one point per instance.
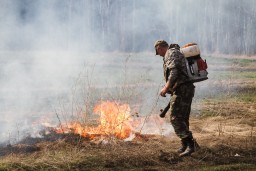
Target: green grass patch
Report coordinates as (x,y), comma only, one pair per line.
(247,97)
(232,75)
(235,95)
(243,62)
(238,103)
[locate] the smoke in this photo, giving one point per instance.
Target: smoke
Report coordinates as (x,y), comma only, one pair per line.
(49,48)
(37,69)
(129,26)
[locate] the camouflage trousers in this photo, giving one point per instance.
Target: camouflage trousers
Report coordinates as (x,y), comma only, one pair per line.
(180,109)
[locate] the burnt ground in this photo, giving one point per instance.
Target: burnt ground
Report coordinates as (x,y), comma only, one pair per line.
(222,147)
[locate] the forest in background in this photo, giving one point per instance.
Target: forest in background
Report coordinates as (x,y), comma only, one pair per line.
(220,26)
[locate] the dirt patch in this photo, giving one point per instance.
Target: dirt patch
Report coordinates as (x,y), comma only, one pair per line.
(18,149)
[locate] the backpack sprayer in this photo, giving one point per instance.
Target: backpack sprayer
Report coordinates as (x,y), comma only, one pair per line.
(196,67)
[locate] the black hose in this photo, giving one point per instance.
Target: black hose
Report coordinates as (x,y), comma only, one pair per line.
(163,112)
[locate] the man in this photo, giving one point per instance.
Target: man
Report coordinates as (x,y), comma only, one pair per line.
(182,92)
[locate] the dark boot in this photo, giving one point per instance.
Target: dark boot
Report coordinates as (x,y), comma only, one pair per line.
(191,147)
(183,147)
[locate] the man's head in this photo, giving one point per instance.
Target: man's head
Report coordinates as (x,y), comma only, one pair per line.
(161,47)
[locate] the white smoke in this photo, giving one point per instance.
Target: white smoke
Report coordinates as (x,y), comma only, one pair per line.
(45,45)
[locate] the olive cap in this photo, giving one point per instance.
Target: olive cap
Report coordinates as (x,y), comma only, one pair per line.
(161,43)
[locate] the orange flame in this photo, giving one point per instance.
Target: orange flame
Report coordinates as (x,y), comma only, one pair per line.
(114,121)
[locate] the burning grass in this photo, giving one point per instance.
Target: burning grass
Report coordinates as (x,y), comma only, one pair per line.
(226,144)
(152,153)
(225,130)
(113,121)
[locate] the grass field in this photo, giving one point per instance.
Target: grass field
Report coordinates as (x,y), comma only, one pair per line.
(223,120)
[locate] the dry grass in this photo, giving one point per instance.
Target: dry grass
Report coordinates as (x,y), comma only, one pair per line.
(225,131)
(223,151)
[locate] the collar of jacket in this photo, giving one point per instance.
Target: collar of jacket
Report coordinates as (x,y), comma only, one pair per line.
(175,46)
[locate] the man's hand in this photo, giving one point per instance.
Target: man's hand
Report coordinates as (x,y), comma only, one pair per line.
(164,91)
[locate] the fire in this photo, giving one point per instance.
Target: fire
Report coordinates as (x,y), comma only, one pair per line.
(114,120)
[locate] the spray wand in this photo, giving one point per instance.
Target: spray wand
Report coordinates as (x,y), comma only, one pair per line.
(163,112)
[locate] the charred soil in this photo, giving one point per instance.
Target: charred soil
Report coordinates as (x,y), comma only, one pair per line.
(226,146)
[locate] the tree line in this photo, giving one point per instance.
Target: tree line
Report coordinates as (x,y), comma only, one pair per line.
(220,26)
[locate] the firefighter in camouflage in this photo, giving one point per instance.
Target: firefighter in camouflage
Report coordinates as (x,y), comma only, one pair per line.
(182,92)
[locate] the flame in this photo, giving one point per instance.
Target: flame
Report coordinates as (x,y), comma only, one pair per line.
(114,120)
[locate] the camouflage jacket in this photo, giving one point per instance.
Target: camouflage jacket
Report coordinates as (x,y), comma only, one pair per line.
(174,67)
